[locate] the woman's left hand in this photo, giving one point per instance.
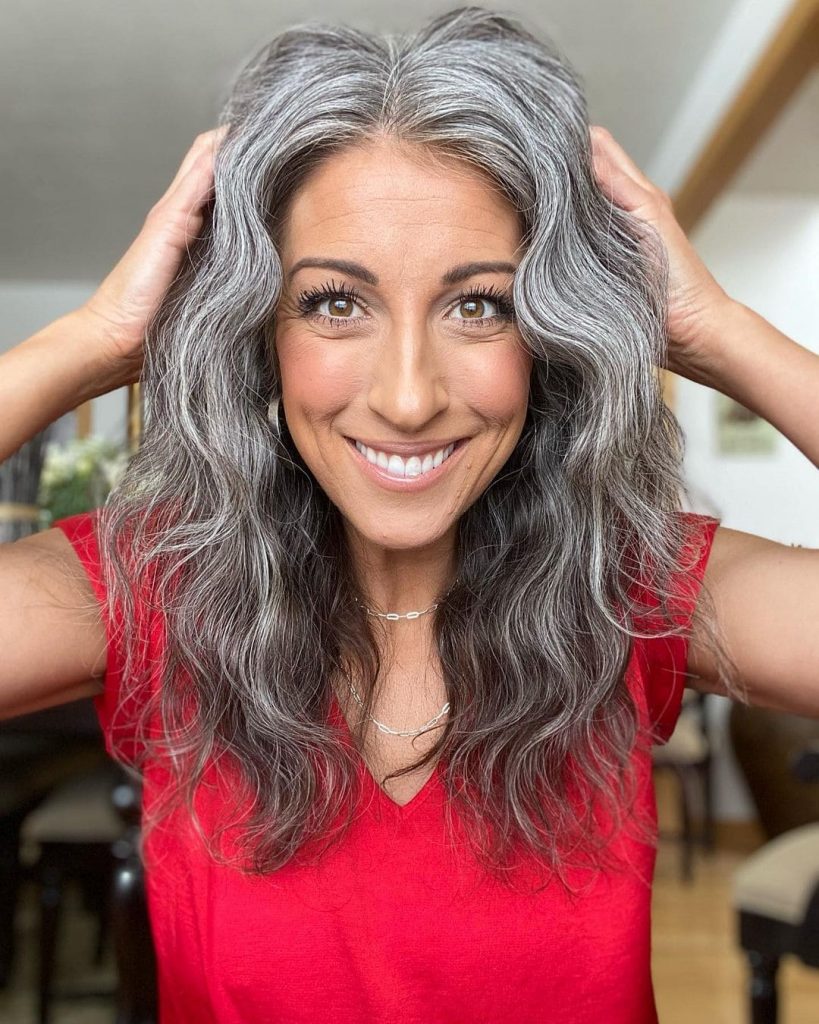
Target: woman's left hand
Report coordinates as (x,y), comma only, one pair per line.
(695,299)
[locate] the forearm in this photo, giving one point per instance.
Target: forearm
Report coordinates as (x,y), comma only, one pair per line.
(767,372)
(46,376)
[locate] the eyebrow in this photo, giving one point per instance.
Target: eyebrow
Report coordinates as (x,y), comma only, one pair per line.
(452,276)
(465,270)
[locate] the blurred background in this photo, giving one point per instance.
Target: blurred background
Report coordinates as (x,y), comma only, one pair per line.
(718,102)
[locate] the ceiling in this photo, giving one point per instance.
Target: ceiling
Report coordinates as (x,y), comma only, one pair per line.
(100,99)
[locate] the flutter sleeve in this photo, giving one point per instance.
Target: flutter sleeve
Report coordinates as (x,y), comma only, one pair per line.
(663,661)
(118,707)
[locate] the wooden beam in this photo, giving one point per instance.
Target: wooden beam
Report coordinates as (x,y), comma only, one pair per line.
(790,56)
(134,421)
(83,420)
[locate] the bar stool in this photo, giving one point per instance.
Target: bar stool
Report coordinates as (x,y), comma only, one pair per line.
(776,895)
(74,830)
(688,756)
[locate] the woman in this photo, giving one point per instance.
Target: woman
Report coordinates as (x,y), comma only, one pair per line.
(398,590)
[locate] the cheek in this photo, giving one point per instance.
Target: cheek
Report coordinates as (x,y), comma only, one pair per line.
(317,379)
(497,385)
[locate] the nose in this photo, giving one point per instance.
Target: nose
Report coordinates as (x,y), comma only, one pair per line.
(407,382)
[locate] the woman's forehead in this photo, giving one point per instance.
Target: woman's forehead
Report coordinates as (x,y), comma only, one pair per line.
(384,194)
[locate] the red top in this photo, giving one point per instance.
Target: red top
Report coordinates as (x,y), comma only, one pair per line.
(393,925)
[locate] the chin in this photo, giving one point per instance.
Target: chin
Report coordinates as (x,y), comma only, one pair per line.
(399,536)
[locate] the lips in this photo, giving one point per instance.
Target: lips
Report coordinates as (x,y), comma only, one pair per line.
(404,466)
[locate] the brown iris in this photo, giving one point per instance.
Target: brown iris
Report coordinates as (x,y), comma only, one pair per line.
(472,309)
(341,307)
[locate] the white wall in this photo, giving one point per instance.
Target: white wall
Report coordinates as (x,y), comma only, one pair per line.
(764,250)
(25,307)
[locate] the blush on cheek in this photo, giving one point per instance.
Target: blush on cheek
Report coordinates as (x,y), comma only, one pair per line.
(319,381)
(500,388)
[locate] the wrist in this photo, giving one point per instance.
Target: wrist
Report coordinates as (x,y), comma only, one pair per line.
(46,376)
(747,353)
(94,346)
(721,340)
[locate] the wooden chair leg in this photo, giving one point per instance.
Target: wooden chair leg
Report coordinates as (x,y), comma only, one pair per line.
(687,846)
(708,833)
(103,927)
(97,898)
(133,939)
(50,906)
(10,878)
(763,991)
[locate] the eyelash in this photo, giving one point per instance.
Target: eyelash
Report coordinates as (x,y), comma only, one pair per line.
(308,300)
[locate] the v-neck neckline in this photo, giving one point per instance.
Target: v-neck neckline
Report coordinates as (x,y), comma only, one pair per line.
(377,792)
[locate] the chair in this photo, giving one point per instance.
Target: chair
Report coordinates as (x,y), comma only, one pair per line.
(94,822)
(688,755)
(37,753)
(137,998)
(73,830)
(776,895)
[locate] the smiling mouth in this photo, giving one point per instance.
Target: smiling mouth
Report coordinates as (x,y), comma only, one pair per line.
(401,467)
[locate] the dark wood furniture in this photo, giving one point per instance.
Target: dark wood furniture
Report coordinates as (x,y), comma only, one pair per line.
(688,756)
(776,896)
(37,753)
(83,812)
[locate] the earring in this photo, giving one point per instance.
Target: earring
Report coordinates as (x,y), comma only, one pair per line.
(273,413)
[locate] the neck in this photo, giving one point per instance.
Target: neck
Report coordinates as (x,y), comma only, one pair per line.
(402,580)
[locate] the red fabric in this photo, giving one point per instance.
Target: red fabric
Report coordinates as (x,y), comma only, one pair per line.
(394,925)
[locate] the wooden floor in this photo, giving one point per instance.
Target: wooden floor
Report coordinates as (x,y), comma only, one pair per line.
(699,975)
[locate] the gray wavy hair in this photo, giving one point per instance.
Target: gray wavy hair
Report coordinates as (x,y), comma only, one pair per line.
(246,554)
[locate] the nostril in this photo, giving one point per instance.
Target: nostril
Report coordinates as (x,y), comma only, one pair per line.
(408,406)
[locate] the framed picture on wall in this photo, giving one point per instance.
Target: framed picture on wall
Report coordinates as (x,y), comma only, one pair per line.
(739,431)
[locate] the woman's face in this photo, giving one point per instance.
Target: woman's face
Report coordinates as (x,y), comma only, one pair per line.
(401,340)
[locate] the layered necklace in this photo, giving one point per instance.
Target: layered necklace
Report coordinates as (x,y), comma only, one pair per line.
(394,617)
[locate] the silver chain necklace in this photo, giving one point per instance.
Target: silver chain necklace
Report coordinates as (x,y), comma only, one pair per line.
(398,732)
(393,617)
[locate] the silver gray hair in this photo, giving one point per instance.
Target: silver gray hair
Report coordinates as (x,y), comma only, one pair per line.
(244,554)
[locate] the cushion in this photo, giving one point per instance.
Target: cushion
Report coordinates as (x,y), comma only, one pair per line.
(778,880)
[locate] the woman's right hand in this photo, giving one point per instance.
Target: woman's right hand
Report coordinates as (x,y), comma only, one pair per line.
(125,301)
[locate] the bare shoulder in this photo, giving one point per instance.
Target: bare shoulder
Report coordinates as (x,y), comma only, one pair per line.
(766,602)
(51,630)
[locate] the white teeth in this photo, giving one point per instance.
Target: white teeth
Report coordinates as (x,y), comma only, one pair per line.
(413,466)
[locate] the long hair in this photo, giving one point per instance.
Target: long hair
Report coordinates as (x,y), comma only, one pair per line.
(245,554)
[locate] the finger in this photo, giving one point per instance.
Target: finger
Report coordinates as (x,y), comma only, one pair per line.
(207,142)
(604,144)
(617,181)
(195,187)
(178,208)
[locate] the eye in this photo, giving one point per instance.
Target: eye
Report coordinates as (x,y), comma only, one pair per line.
(331,304)
(339,305)
(476,308)
(483,306)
